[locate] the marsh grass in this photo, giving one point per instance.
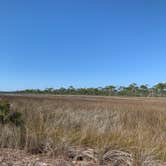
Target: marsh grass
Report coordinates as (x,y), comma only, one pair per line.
(53,125)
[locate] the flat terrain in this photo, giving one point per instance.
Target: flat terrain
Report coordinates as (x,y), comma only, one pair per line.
(96,128)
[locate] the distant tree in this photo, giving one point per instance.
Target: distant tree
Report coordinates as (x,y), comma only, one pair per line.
(62,90)
(71,90)
(130,90)
(122,91)
(110,90)
(49,90)
(144,90)
(160,89)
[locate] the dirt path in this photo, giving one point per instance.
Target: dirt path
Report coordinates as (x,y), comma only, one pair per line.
(11,157)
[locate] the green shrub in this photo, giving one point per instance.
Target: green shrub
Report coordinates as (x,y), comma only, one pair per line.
(7,116)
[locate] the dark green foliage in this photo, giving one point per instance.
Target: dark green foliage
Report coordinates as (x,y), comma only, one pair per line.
(4,112)
(131,90)
(7,116)
(16,118)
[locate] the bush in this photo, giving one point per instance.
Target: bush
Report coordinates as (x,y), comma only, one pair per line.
(7,116)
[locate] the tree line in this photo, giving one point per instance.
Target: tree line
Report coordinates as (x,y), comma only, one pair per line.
(158,90)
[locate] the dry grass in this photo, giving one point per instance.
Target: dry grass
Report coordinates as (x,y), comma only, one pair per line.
(53,124)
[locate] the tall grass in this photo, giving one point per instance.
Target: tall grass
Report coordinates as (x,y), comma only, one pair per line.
(55,124)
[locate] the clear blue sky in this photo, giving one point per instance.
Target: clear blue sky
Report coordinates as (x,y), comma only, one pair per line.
(85,43)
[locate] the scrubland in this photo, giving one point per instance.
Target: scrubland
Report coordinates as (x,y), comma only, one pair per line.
(52,125)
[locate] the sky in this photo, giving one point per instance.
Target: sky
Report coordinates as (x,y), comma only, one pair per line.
(84,43)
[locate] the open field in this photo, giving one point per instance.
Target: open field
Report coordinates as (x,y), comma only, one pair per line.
(56,124)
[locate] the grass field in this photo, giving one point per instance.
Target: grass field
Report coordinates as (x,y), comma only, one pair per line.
(55,123)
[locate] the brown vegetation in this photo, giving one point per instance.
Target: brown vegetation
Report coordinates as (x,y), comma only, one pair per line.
(54,125)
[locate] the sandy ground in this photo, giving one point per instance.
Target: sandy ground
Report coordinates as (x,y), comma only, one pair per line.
(13,157)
